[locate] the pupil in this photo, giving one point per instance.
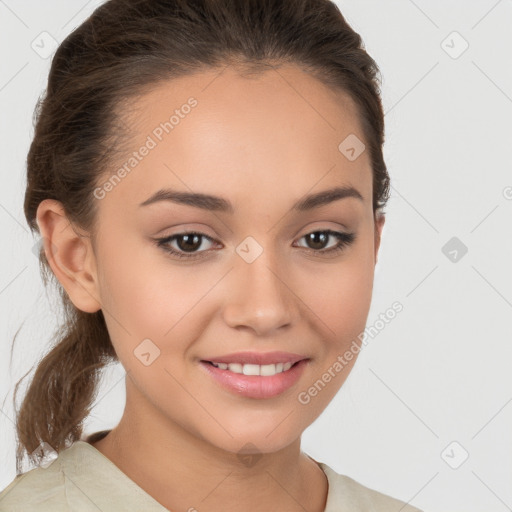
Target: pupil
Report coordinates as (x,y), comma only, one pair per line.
(187,238)
(314,237)
(191,242)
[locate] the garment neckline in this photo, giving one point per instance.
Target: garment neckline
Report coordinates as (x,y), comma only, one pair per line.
(85,443)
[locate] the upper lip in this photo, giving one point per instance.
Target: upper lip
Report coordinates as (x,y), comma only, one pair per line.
(259,358)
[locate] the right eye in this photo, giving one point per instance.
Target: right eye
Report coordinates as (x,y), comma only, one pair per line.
(187,244)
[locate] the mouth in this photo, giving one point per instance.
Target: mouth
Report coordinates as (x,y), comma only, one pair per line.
(255,381)
(264,370)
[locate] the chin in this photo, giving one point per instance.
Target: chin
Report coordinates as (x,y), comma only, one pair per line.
(256,441)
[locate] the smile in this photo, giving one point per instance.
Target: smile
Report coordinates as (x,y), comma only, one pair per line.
(255,381)
(254,369)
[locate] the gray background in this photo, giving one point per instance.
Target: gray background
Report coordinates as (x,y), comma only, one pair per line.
(435,384)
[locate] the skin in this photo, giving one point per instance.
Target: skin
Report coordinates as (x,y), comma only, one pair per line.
(262,143)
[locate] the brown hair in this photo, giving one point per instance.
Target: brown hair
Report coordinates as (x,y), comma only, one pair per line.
(120,51)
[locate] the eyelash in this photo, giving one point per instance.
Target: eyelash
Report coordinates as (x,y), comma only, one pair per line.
(344,240)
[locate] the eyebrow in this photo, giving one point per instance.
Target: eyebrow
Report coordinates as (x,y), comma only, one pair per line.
(219,204)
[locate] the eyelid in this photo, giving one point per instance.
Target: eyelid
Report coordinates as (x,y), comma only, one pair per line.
(345,239)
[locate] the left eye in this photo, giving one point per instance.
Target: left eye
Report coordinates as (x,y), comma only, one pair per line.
(189,243)
(319,238)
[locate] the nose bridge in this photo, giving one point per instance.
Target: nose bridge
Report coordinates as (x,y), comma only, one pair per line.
(259,297)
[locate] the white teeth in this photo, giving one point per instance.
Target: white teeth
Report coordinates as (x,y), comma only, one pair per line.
(235,367)
(255,369)
(251,369)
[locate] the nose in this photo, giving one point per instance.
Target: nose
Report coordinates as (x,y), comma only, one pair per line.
(259,298)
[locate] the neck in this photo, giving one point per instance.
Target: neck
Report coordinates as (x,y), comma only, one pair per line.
(185,472)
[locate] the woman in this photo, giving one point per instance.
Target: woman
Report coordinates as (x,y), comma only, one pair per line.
(209,183)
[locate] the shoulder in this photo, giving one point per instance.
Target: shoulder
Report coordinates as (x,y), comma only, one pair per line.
(345,493)
(80,478)
(41,489)
(63,485)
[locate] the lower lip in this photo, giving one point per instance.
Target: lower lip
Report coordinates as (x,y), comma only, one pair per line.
(256,386)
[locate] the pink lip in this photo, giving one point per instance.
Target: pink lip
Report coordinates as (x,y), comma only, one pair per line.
(256,386)
(257,358)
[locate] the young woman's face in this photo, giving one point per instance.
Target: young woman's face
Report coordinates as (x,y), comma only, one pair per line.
(260,275)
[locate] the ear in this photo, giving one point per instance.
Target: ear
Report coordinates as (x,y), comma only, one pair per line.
(70,255)
(379,224)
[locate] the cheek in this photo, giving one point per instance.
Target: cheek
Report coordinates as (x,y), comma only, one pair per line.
(134,295)
(145,296)
(341,301)
(341,295)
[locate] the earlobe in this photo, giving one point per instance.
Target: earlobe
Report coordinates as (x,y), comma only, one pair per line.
(69,254)
(379,225)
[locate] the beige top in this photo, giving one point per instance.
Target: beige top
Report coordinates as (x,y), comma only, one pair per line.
(82,479)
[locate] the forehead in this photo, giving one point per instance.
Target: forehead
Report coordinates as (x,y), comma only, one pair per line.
(217,131)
